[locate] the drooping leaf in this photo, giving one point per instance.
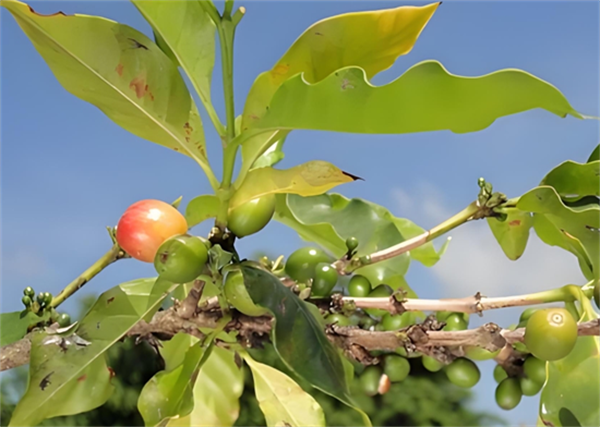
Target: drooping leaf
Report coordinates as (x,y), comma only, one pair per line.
(373,226)
(282,401)
(308,179)
(578,223)
(217,390)
(200,209)
(168,394)
(425,98)
(595,154)
(68,374)
(552,235)
(574,180)
(512,233)
(16,324)
(297,335)
(120,71)
(372,40)
(186,30)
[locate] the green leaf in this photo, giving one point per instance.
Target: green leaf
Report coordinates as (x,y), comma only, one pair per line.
(174,350)
(281,400)
(595,154)
(122,72)
(218,387)
(168,394)
(550,234)
(16,324)
(574,180)
(273,155)
(200,209)
(308,179)
(188,34)
(297,335)
(373,226)
(575,224)
(68,374)
(372,40)
(512,233)
(425,98)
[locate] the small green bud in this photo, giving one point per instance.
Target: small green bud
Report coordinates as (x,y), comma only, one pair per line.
(365,259)
(40,298)
(26,301)
(351,243)
(28,291)
(47,298)
(481,182)
(64,320)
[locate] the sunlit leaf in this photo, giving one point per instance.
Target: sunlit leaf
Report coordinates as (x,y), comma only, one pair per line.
(574,180)
(16,324)
(298,336)
(169,393)
(174,350)
(68,374)
(188,34)
(120,71)
(282,401)
(425,98)
(372,40)
(200,209)
(217,390)
(512,233)
(578,222)
(308,179)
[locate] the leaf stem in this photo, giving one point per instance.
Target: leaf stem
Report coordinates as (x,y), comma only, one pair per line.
(115,253)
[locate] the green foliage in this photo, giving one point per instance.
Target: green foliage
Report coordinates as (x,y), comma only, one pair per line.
(512,232)
(282,401)
(122,72)
(68,372)
(330,219)
(187,34)
(218,388)
(17,323)
(296,327)
(308,179)
(425,98)
(200,209)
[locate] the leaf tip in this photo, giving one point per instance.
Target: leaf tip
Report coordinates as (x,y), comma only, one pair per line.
(354,177)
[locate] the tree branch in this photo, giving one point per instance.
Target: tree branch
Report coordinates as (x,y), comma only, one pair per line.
(473,211)
(474,304)
(115,253)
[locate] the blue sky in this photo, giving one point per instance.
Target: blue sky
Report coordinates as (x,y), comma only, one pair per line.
(67,171)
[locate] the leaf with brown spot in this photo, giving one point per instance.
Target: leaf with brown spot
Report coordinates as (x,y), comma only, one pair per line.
(115,80)
(512,233)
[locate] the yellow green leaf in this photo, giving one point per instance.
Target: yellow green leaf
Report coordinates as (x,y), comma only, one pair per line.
(372,40)
(308,179)
(281,400)
(122,72)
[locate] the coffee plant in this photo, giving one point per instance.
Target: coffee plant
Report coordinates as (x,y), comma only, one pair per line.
(339,315)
